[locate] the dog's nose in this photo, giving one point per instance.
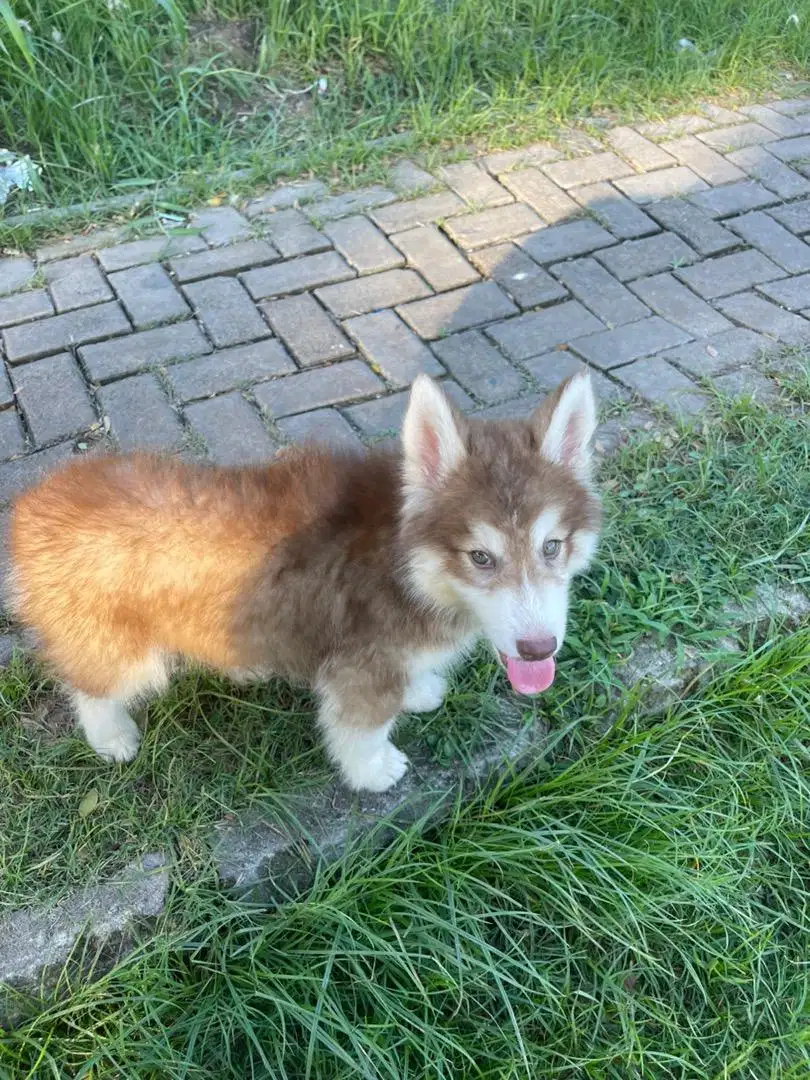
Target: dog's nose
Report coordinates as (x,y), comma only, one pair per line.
(537,648)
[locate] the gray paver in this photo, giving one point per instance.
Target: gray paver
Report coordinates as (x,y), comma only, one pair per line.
(734,198)
(479,367)
(640,152)
(600,291)
(152,249)
(53,397)
(792,293)
(6,390)
(612,348)
(76,283)
(77,245)
(694,225)
(759,314)
(760,230)
(534,188)
(566,241)
(372,292)
(618,214)
(31,340)
(504,161)
(651,255)
(718,353)
(123,356)
(771,172)
(15,273)
(701,159)
(549,370)
(226,311)
(661,184)
(407,178)
(748,383)
(460,309)
(794,216)
(520,276)
(317,387)
(675,126)
(295,275)
(307,330)
(225,260)
(660,383)
(149,295)
(392,348)
(288,195)
(791,106)
(26,471)
(229,369)
(791,149)
(587,170)
(140,415)
(439,262)
(539,331)
(321,425)
(362,245)
(293,234)
(424,211)
(737,137)
(350,202)
(220,225)
(25,306)
(493,226)
(669,298)
(11,434)
(474,185)
(729,273)
(232,430)
(384,415)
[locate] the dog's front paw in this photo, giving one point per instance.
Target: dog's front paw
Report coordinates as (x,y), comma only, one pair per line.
(119,745)
(426,694)
(379,772)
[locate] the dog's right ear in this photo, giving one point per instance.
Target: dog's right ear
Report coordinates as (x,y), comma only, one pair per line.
(430,436)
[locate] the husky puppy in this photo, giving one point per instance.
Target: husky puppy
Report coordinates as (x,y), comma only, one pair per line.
(365,576)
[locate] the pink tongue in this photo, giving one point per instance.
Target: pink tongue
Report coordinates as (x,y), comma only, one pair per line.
(530,676)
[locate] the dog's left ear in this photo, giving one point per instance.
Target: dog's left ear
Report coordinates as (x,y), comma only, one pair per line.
(567,421)
(430,436)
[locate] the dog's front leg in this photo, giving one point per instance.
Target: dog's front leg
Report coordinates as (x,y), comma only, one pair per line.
(425,692)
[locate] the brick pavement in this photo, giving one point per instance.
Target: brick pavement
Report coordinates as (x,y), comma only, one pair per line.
(667,255)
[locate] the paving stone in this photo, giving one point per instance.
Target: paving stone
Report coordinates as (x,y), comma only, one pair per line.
(772,173)
(391,348)
(457,310)
(493,226)
(794,216)
(350,202)
(31,340)
(540,331)
(407,178)
(642,153)
(587,170)
(747,382)
(68,246)
(152,249)
(533,187)
(675,126)
(288,195)
(479,367)
(15,273)
(25,306)
(720,115)
(363,245)
(600,291)
(11,434)
(372,292)
(618,214)
(775,121)
(576,143)
(729,273)
(733,199)
(226,311)
(661,384)
(321,425)
(761,231)
(140,415)
(669,298)
(52,394)
(232,430)
(791,293)
(407,215)
(504,161)
(26,471)
(317,387)
(149,295)
(735,138)
(791,149)
(693,225)
(76,283)
(761,315)
(220,225)
(641,258)
(226,260)
(701,159)
(661,184)
(110,360)
(293,234)
(385,414)
(611,348)
(516,409)
(719,352)
(439,262)
(566,241)
(307,330)
(520,276)
(549,370)
(295,275)
(6,390)
(474,185)
(229,369)
(791,106)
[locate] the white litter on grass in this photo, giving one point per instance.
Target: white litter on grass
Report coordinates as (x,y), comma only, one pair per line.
(685,45)
(16,172)
(793,19)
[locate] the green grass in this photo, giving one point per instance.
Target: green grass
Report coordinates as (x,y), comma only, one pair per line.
(113,95)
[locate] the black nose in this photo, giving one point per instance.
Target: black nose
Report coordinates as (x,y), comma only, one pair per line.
(537,648)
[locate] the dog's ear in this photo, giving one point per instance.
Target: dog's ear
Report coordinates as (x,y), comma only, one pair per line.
(431,437)
(566,421)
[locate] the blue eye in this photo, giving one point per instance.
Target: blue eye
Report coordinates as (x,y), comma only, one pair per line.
(551,548)
(482,558)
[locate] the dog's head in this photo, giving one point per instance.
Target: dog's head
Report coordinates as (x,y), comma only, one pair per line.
(499,515)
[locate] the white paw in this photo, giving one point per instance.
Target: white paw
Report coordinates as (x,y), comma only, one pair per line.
(426,694)
(119,745)
(379,772)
